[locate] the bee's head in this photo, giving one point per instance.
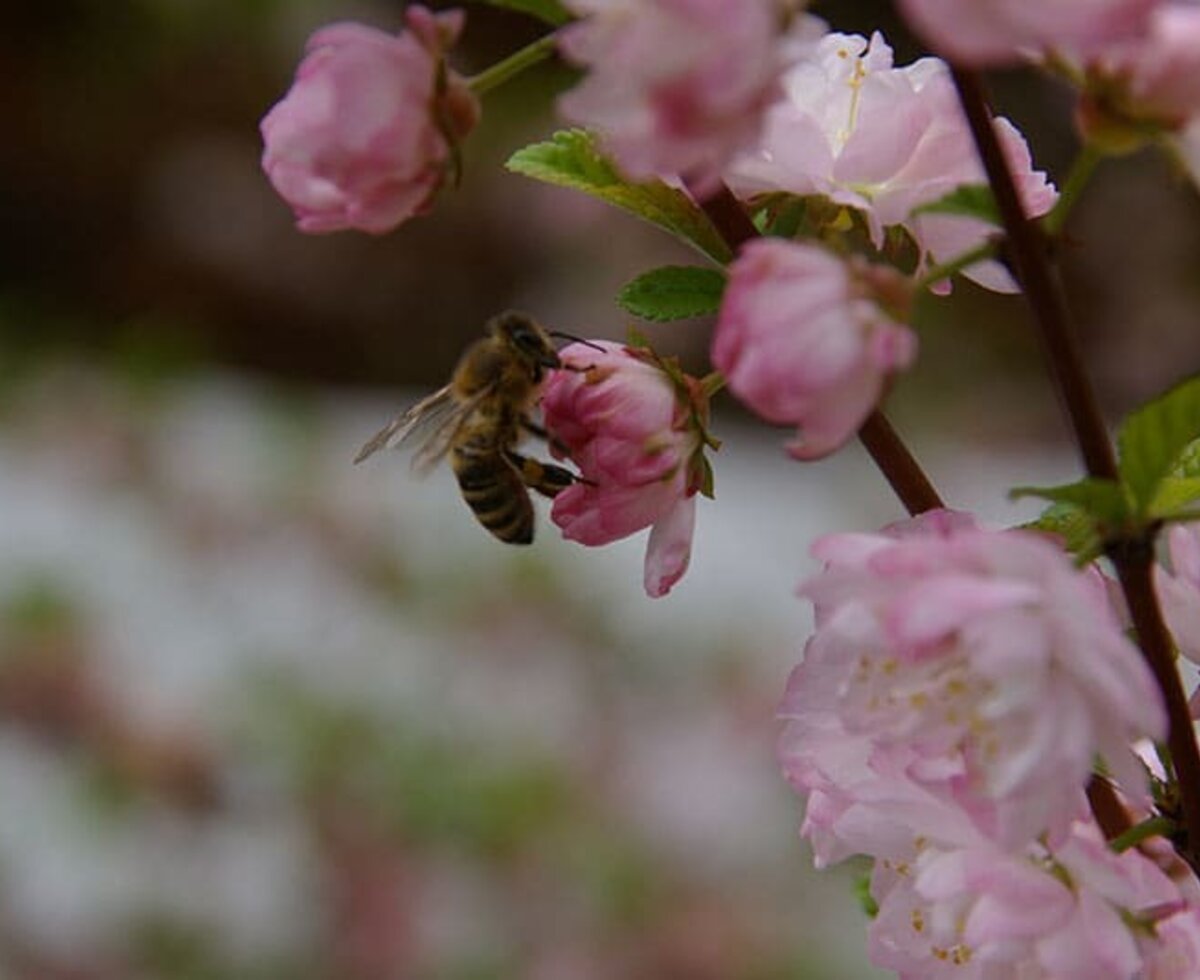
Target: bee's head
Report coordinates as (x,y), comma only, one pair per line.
(526,337)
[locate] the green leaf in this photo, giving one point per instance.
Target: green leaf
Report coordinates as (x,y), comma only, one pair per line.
(571,158)
(1173,495)
(1189,461)
(1100,499)
(1085,514)
(967,200)
(673,292)
(1074,526)
(550,11)
(1156,440)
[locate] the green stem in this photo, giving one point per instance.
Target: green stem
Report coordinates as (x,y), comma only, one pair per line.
(1081,172)
(1154,827)
(513,65)
(944,271)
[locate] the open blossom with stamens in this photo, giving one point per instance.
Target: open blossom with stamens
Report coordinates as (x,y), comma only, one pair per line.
(804,338)
(1077,910)
(985,654)
(366,134)
(886,141)
(634,425)
(675,86)
(984,32)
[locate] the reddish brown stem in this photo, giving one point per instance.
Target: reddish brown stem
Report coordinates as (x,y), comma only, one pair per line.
(1027,251)
(1135,564)
(1107,808)
(899,467)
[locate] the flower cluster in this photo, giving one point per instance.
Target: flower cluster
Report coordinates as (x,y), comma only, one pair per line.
(959,687)
(1137,61)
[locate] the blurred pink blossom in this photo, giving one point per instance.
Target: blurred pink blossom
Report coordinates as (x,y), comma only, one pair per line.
(885,141)
(803,337)
(1076,910)
(675,86)
(991,659)
(1150,83)
(1174,951)
(366,134)
(636,433)
(1179,589)
(990,32)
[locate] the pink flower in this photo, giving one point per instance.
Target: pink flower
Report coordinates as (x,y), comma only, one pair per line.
(885,141)
(1173,953)
(634,425)
(1179,590)
(1078,910)
(803,338)
(1149,83)
(674,86)
(986,655)
(367,132)
(988,32)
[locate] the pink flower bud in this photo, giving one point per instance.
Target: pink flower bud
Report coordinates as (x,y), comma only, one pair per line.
(674,86)
(367,132)
(634,426)
(1152,82)
(802,338)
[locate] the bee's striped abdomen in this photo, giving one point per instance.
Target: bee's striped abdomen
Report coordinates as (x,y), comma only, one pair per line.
(493,490)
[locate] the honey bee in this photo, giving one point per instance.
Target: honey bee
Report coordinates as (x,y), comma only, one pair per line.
(479,418)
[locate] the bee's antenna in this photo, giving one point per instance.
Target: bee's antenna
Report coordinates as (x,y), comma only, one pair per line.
(578,340)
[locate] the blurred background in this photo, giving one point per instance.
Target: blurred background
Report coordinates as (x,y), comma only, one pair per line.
(264,714)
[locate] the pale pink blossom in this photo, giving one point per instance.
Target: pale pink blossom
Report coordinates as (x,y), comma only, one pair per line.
(634,427)
(1179,589)
(1173,951)
(985,654)
(675,86)
(804,339)
(367,133)
(989,32)
(1147,86)
(887,142)
(1078,910)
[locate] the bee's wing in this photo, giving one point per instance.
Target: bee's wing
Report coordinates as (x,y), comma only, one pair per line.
(442,437)
(440,405)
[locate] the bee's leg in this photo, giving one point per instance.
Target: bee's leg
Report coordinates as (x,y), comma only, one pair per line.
(546,478)
(539,432)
